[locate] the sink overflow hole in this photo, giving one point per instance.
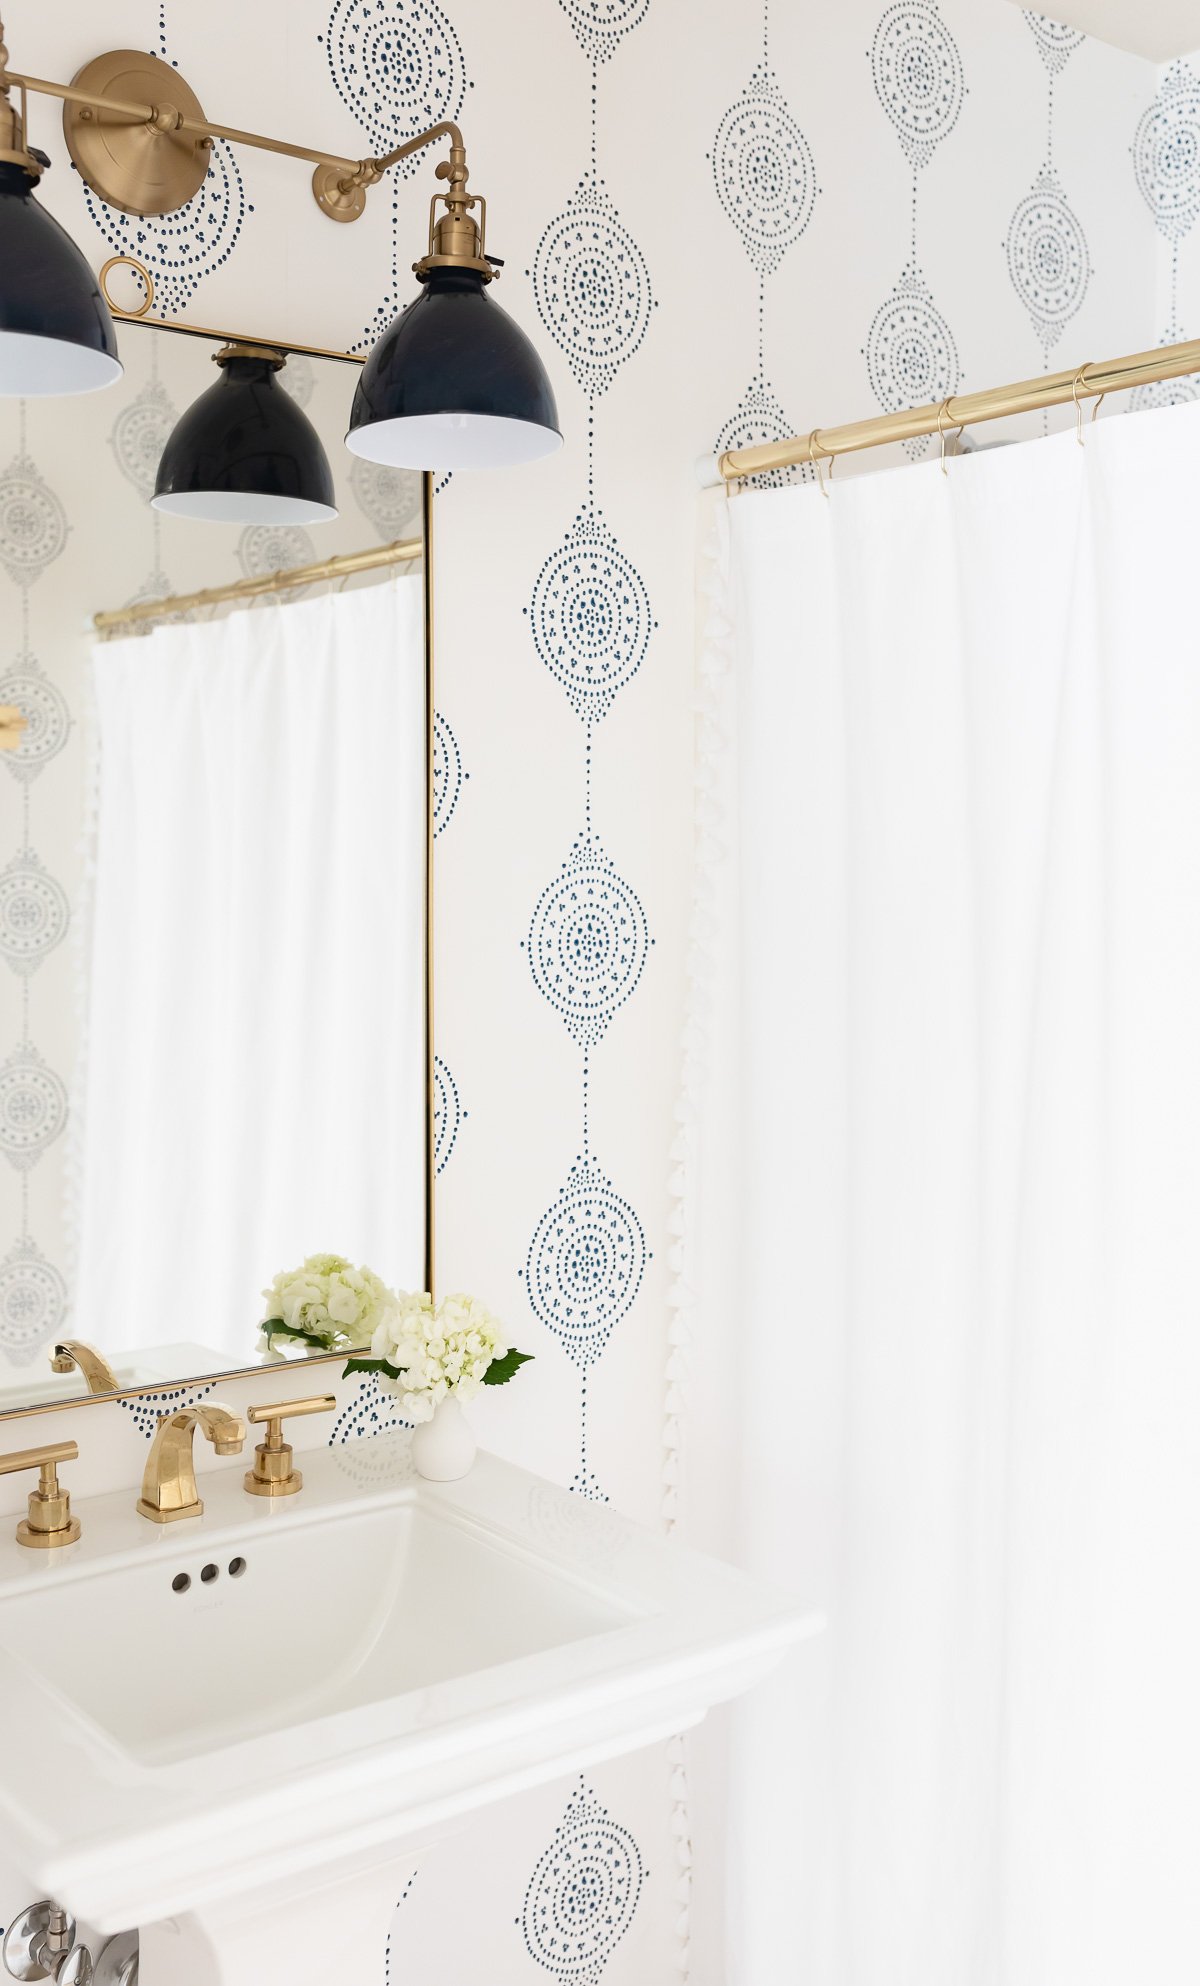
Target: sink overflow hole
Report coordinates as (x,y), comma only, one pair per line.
(180,1583)
(208,1573)
(236,1567)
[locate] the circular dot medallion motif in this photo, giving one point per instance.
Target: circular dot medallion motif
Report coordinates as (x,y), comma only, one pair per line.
(601,25)
(140,433)
(592,288)
(448,1114)
(33,1302)
(588,942)
(33,912)
(585,1263)
(1166,154)
(911,354)
(33,1107)
(398,66)
(582,1893)
(297,378)
(264,549)
(44,708)
(33,524)
(590,616)
(759,418)
(390,499)
(1048,258)
(182,248)
(918,77)
(764,172)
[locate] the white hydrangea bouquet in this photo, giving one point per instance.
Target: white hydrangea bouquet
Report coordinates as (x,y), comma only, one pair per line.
(326,1305)
(426,1353)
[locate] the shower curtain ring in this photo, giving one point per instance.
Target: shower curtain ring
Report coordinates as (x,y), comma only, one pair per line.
(944,413)
(813,444)
(1076,384)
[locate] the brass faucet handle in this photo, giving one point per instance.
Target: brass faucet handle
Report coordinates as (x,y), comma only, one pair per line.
(273,1474)
(49,1523)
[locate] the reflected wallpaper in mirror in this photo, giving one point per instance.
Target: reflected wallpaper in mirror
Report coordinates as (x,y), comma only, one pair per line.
(212,904)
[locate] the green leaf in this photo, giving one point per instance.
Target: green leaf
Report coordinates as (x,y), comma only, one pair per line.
(501,1370)
(371,1365)
(275,1327)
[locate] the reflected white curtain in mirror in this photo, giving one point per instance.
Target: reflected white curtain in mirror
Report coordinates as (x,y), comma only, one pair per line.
(944,1208)
(253,1082)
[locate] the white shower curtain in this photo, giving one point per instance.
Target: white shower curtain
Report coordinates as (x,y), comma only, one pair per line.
(254,1081)
(942,1144)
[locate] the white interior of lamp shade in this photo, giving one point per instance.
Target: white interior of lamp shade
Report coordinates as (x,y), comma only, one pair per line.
(34,368)
(453,441)
(242,507)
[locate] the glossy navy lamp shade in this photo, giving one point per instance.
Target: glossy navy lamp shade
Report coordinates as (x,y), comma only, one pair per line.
(453,383)
(56,335)
(245,453)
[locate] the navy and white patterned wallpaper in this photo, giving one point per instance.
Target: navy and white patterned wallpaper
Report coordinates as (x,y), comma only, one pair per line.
(722,223)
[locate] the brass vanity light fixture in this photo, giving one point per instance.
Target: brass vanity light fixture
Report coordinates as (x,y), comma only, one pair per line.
(49,1523)
(169,1484)
(273,1474)
(72,1353)
(452,384)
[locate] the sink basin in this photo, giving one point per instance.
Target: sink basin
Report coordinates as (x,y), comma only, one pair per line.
(315,1618)
(197,1716)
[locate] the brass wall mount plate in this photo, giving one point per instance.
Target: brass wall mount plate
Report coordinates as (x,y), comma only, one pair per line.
(141,167)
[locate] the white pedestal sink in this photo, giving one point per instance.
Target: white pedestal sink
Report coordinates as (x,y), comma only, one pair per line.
(228,1732)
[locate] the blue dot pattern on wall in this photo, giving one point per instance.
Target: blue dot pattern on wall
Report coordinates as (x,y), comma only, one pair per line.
(583,1893)
(33,1302)
(1048,259)
(588,941)
(600,26)
(33,1106)
(764,172)
(757,418)
(34,911)
(148,1409)
(1166,153)
(371,1411)
(448,1114)
(449,773)
(265,549)
(140,433)
(33,523)
(47,717)
(590,616)
(585,1262)
(398,67)
(918,76)
(911,356)
(1055,40)
(592,287)
(391,1965)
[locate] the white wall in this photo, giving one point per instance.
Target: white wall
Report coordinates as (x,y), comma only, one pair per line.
(740,238)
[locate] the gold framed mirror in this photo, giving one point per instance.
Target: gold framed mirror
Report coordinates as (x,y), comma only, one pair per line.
(219,912)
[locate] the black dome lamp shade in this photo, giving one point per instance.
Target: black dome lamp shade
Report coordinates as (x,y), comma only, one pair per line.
(453,383)
(56,335)
(244,452)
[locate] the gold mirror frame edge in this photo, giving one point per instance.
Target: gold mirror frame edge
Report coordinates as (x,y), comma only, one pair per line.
(322,1358)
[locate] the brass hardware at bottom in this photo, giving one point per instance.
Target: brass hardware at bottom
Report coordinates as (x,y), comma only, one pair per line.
(151,167)
(273,1474)
(13,726)
(169,1483)
(49,1523)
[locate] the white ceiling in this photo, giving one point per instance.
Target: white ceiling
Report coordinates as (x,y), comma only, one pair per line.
(1157,29)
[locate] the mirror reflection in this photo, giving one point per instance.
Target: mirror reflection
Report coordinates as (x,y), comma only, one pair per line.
(215,919)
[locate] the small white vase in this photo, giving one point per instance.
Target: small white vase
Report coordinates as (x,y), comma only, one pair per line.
(443,1449)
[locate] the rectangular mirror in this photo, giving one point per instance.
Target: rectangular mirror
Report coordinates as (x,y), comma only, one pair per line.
(216,914)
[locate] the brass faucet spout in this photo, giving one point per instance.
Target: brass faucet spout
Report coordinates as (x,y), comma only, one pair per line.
(70,1353)
(169,1483)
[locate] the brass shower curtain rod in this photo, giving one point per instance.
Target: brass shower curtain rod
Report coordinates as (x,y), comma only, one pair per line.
(339,567)
(963,410)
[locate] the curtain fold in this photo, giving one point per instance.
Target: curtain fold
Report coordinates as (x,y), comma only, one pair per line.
(954,1112)
(254,1084)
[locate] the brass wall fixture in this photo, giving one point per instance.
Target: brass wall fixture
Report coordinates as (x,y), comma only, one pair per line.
(453,384)
(273,1474)
(73,1353)
(169,1484)
(49,1523)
